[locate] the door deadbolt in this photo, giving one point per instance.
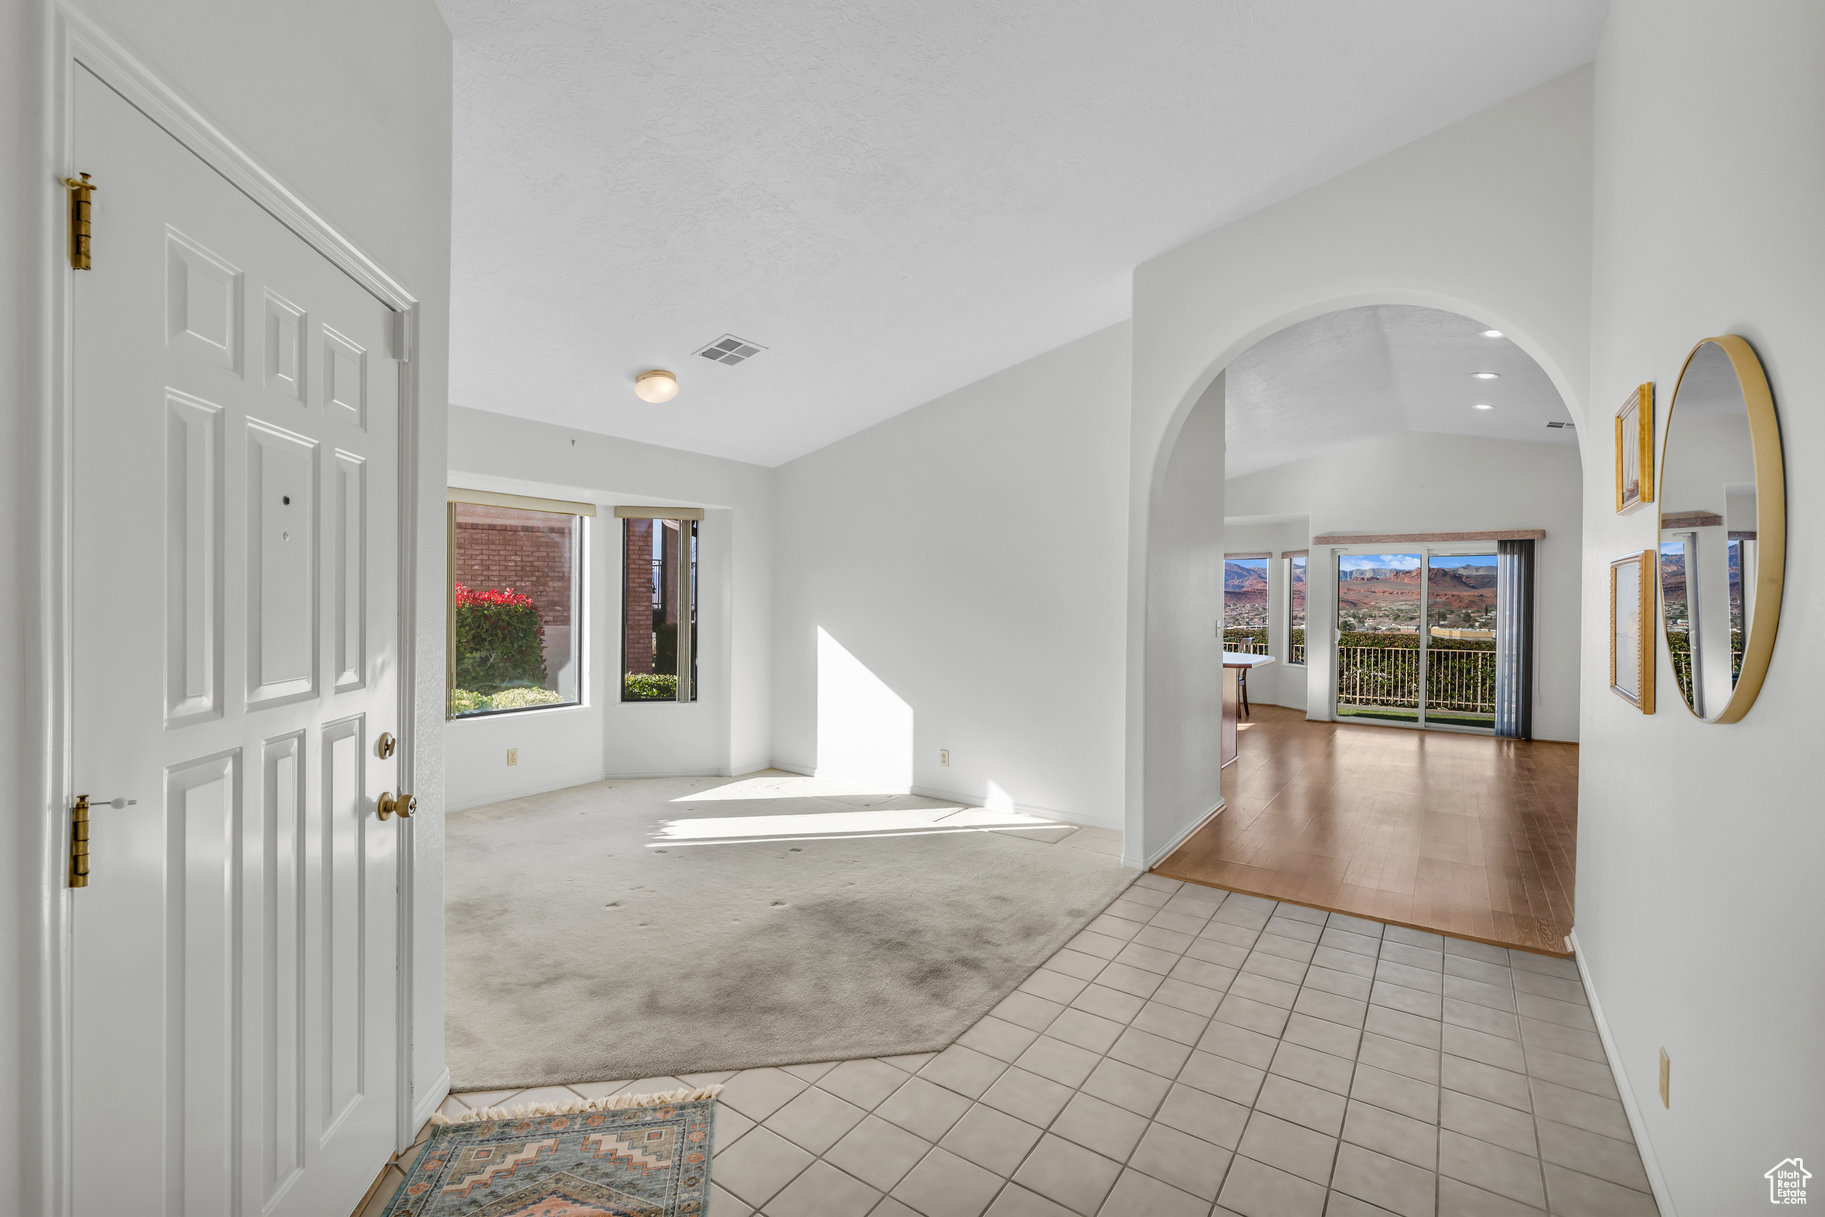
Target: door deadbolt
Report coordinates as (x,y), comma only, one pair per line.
(404,805)
(386,746)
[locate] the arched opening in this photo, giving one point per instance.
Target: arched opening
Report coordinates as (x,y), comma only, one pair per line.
(1378,509)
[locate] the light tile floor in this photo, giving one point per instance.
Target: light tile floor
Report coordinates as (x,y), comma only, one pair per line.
(1202,1053)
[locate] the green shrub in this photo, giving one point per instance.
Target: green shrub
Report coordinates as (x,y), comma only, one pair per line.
(500,640)
(466,701)
(520,698)
(649,686)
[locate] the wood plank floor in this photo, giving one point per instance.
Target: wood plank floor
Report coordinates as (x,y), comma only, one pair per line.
(1461,834)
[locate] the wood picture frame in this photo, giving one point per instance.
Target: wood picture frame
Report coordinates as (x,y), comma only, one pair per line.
(1635,449)
(1632,629)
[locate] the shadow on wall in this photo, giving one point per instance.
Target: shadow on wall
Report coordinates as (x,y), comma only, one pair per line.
(864,728)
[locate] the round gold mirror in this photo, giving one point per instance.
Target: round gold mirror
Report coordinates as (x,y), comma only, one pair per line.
(1723,529)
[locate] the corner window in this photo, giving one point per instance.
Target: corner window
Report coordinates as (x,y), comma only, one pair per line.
(659,603)
(1245,603)
(516,612)
(1295,608)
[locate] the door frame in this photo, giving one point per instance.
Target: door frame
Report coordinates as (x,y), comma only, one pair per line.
(1427,550)
(78,44)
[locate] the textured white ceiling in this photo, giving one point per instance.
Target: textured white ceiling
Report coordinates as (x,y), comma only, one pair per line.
(895,199)
(1375,371)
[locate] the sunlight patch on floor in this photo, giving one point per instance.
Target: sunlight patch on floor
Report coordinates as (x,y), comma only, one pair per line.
(891,822)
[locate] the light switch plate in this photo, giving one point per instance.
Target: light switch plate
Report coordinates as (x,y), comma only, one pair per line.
(513,756)
(1666,1079)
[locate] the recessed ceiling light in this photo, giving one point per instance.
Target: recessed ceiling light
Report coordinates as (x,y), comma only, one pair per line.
(1482,405)
(656,386)
(1492,333)
(1487,375)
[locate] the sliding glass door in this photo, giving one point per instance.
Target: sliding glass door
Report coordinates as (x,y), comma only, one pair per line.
(1417,638)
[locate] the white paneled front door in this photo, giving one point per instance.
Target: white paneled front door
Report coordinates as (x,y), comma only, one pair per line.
(236,651)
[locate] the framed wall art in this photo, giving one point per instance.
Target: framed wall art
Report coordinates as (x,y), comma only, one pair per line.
(1632,629)
(1635,449)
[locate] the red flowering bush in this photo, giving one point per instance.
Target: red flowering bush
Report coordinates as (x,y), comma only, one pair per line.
(500,640)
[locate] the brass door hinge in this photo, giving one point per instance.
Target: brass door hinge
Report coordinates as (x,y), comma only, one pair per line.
(79,836)
(80,195)
(79,842)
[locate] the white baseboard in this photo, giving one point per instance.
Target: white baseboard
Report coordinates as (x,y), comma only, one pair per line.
(1650,1162)
(507,796)
(1152,860)
(453,803)
(429,1102)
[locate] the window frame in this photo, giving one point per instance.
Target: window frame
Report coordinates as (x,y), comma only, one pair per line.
(1302,559)
(686,593)
(582,513)
(1265,558)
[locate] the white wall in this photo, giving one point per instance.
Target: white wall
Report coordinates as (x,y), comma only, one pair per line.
(359,127)
(1701,910)
(965,560)
(1182,666)
(1421,482)
(726,730)
(1489,217)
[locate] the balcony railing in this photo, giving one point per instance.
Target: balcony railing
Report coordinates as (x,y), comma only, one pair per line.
(1246,641)
(1457,682)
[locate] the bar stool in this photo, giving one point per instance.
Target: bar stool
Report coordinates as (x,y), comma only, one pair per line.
(1242,676)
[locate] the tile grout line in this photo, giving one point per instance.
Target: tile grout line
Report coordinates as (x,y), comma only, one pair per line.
(1126,1024)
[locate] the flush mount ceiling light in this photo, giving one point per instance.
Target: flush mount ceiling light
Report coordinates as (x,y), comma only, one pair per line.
(1492,333)
(1482,405)
(656,386)
(1486,375)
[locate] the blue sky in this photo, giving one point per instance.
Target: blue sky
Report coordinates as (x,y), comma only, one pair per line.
(1350,562)
(1377,561)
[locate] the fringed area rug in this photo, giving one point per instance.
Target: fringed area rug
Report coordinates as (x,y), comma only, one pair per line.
(623,1156)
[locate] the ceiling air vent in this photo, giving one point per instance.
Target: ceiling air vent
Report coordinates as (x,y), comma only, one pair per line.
(731,350)
(1556,425)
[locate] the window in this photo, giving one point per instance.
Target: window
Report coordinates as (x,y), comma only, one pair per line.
(659,603)
(1245,603)
(1295,608)
(516,612)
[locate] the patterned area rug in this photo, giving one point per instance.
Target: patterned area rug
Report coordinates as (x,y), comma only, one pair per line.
(645,1156)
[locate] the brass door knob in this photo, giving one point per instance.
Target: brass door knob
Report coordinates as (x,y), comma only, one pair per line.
(404,805)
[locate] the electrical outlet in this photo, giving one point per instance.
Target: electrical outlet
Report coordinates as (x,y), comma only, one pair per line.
(513,756)
(1666,1079)
(944,756)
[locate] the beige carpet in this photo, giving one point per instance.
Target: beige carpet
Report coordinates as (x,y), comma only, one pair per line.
(636,929)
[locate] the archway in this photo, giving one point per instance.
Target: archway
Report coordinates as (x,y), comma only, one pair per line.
(1410,424)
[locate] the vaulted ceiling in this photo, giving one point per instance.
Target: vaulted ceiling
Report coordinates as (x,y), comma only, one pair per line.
(1381,370)
(894,199)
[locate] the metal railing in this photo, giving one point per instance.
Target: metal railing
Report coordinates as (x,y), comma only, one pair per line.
(1457,681)
(1246,641)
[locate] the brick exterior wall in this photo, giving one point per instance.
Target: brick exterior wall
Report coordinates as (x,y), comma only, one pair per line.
(637,611)
(500,547)
(638,616)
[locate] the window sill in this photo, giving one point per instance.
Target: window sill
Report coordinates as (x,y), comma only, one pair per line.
(571,707)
